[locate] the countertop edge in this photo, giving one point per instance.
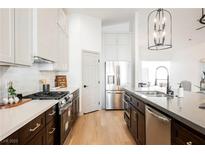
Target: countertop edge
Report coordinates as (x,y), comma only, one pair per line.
(169,113)
(20,125)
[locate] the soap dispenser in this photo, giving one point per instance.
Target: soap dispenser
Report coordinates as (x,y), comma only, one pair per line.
(180,91)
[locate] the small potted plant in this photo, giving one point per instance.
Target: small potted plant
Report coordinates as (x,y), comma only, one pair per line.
(11,92)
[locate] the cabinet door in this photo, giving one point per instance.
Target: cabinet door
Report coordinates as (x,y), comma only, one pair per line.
(124,47)
(46,27)
(23,36)
(77,107)
(51,133)
(141,128)
(62,54)
(74,111)
(39,139)
(183,135)
(134,123)
(6,35)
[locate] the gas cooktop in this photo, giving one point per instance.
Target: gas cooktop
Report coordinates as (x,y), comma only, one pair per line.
(48,95)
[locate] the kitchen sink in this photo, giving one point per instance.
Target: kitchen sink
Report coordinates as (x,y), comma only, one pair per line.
(153,93)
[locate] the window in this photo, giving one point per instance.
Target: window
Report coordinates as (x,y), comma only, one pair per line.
(149,68)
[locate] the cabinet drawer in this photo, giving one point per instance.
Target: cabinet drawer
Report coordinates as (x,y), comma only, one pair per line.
(127,98)
(184,135)
(51,133)
(138,104)
(51,114)
(31,129)
(39,139)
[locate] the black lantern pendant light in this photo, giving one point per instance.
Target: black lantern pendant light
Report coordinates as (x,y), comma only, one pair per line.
(159,30)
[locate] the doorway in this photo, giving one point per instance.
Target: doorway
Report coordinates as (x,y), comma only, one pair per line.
(90,81)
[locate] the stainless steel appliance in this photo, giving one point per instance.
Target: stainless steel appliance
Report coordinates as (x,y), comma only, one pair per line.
(118,74)
(158,127)
(64,109)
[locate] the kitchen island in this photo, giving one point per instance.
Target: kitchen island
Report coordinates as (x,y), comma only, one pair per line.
(184,110)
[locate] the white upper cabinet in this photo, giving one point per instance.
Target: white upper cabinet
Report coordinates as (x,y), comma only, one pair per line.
(7,35)
(62,21)
(117,47)
(62,54)
(45,33)
(23,36)
(25,33)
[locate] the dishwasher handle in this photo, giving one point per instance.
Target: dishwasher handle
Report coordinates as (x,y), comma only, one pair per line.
(157,115)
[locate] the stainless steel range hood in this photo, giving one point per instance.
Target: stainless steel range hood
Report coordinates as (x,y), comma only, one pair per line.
(41,60)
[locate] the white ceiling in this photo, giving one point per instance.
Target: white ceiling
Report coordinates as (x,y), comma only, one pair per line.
(108,15)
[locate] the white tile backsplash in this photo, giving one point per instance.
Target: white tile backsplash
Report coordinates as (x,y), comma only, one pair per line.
(26,79)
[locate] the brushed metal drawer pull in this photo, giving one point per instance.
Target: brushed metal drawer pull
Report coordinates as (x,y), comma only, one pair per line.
(51,114)
(33,129)
(51,132)
(189,143)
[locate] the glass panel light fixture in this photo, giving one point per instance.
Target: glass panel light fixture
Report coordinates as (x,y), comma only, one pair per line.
(159,30)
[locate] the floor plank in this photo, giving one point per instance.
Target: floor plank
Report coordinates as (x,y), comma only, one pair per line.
(101,128)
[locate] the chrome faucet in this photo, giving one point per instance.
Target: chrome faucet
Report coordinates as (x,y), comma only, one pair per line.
(168,90)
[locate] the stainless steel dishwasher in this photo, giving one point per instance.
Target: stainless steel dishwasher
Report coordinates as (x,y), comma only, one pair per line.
(158,128)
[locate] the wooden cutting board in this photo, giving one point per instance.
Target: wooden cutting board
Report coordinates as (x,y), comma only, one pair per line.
(5,106)
(61,81)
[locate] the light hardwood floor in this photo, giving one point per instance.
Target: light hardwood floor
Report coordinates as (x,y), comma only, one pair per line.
(100,127)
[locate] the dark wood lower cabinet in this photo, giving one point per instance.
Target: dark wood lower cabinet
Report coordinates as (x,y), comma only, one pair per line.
(75,109)
(137,125)
(141,128)
(134,123)
(183,135)
(36,132)
(51,133)
(39,139)
(28,131)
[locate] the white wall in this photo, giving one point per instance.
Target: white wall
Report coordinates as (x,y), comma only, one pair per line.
(188,45)
(84,34)
(25,79)
(117,28)
(137,52)
(185,65)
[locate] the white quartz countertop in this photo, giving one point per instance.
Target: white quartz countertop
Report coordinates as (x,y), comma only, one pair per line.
(14,118)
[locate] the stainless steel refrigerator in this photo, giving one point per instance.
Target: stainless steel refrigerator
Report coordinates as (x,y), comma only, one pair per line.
(118,74)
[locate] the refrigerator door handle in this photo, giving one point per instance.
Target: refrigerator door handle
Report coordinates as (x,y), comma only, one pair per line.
(118,75)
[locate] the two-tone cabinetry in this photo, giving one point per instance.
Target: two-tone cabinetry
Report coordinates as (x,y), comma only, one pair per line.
(41,130)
